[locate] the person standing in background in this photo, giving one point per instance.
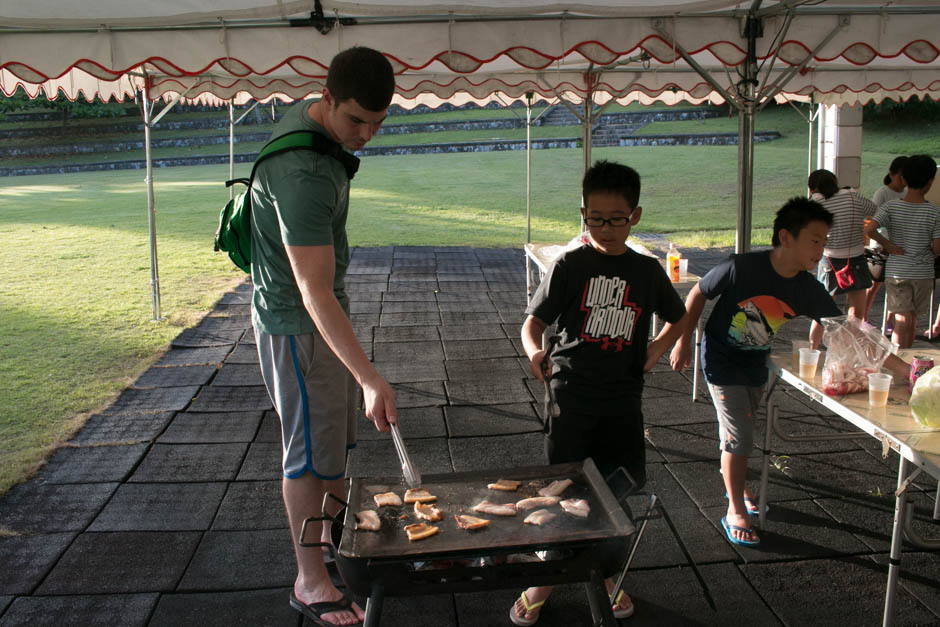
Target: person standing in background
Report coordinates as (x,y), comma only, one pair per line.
(893,189)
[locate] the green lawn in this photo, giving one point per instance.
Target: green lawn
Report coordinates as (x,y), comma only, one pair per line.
(75,309)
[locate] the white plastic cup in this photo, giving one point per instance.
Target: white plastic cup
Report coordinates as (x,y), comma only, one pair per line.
(797,345)
(879,387)
(809,357)
(683,269)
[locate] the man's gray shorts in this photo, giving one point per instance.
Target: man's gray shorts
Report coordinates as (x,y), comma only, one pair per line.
(315,397)
(736,406)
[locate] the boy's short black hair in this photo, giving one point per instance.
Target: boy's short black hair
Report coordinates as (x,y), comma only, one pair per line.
(897,165)
(918,171)
(363,74)
(824,182)
(612,178)
(796,214)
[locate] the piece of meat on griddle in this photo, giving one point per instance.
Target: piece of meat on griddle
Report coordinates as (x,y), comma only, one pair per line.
(368,519)
(496,509)
(425,511)
(420,531)
(537,501)
(576,507)
(555,488)
(387,499)
(506,485)
(466,521)
(539,517)
(419,495)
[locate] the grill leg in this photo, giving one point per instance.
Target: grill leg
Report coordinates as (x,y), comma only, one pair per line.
(602,612)
(374,605)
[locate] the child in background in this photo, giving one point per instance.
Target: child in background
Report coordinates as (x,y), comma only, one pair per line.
(893,189)
(603,296)
(913,226)
(757,293)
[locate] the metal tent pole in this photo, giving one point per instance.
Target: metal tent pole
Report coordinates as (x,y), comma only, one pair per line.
(528,168)
(231,147)
(151,209)
(747,91)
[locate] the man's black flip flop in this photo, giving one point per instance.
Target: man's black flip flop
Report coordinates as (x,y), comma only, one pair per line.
(314,611)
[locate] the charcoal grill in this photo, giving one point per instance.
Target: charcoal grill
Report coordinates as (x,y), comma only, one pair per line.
(501,555)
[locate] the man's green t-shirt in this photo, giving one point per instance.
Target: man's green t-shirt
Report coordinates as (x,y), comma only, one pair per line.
(299,198)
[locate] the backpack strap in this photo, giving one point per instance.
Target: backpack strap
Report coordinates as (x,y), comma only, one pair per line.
(309,140)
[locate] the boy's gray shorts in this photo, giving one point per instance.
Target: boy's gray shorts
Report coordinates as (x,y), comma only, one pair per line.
(315,397)
(736,406)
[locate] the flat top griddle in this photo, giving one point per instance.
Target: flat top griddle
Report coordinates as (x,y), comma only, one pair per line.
(457,493)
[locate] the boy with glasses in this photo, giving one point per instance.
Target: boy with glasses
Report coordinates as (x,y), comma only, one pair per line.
(602,296)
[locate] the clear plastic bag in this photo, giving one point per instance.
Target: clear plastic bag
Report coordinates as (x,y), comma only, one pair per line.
(854,349)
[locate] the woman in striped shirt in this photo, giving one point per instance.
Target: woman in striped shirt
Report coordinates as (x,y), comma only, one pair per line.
(846,243)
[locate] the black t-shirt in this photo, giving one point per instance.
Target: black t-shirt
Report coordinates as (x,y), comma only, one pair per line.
(753,303)
(603,305)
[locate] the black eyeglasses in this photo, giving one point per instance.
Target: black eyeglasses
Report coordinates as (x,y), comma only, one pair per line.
(618,221)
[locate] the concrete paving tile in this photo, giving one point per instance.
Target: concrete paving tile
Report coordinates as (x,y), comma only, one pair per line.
(703,482)
(404,306)
(412,296)
(801,426)
(154,400)
(406,334)
(469,317)
(512,287)
(35,508)
(474,349)
(251,505)
(92,610)
(427,610)
(364,319)
(174,376)
(160,507)
(243,354)
(236,560)
(810,592)
(684,443)
(517,345)
(871,519)
(416,319)
(414,282)
(472,332)
(5,601)
(377,458)
(91,464)
(676,409)
(238,375)
(414,422)
(455,285)
(411,371)
(675,596)
(661,482)
(270,429)
(123,561)
(221,399)
(920,575)
(224,609)
(476,369)
(27,558)
(248,337)
(190,462)
(358,306)
(407,351)
(473,420)
(194,356)
(465,307)
(512,316)
(364,296)
(212,427)
(488,392)
(262,462)
(669,381)
(497,452)
(369,271)
(421,394)
(795,529)
(842,474)
(198,338)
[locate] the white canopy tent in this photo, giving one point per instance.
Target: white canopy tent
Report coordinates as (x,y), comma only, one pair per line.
(836,51)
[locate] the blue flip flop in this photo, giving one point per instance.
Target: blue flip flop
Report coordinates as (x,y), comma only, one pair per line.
(728,527)
(753,508)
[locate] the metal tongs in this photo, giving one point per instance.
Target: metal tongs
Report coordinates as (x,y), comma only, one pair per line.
(408,469)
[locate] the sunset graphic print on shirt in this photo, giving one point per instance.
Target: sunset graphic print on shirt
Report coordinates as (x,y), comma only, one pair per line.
(757,320)
(610,318)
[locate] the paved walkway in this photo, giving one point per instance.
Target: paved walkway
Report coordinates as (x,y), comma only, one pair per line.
(165,508)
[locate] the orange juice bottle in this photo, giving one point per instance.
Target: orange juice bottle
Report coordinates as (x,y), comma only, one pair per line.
(672,263)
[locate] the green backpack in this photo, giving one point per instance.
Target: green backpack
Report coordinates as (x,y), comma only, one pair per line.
(234,233)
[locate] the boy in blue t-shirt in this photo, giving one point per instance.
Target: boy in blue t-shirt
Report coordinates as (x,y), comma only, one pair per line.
(757,293)
(603,296)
